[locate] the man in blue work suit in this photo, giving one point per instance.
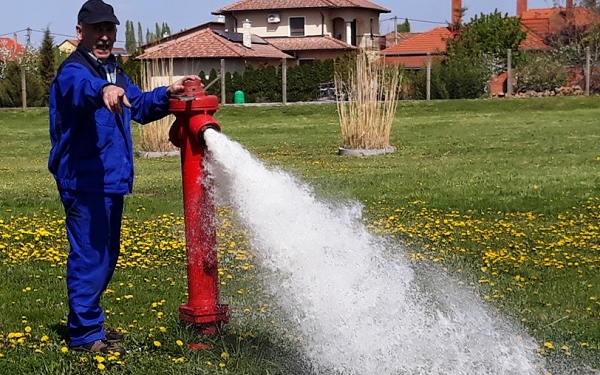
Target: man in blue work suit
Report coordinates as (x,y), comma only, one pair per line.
(91,104)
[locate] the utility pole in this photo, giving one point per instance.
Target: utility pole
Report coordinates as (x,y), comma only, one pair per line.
(23,69)
(395,30)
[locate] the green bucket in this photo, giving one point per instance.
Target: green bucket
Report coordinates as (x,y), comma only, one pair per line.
(238,97)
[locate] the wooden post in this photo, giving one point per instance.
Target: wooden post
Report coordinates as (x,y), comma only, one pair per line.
(588,70)
(284,80)
(428,84)
(223,93)
(23,87)
(509,81)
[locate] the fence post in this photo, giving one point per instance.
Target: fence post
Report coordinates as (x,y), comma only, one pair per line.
(23,87)
(223,93)
(428,85)
(284,80)
(509,80)
(588,70)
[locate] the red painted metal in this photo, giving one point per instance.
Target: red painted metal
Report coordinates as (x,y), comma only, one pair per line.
(194,114)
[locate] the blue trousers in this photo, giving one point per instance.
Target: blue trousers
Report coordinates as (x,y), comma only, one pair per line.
(93,223)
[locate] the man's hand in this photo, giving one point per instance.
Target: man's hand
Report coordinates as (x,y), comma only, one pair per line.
(113,97)
(177,86)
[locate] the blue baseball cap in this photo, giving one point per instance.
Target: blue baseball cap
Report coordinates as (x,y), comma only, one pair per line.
(96,11)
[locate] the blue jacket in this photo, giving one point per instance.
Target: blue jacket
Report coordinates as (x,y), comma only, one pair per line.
(92,149)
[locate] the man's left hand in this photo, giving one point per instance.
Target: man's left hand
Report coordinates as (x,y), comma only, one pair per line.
(177,86)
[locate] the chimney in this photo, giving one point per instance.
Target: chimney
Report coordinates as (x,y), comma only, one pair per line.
(246,34)
(456,12)
(569,4)
(521,7)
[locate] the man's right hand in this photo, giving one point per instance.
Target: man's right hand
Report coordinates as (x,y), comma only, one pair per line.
(113,96)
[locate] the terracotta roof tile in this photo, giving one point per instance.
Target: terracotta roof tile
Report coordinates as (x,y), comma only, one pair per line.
(10,49)
(297,4)
(547,20)
(533,41)
(430,41)
(411,61)
(207,43)
(309,43)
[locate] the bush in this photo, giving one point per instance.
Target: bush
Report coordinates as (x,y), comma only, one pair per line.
(540,72)
(456,77)
(10,86)
(263,83)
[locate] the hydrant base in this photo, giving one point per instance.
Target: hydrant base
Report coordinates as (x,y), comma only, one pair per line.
(201,315)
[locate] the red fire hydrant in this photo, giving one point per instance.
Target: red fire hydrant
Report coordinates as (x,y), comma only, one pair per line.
(193,111)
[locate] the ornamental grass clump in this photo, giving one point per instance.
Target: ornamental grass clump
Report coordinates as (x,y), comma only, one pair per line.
(367,92)
(154,137)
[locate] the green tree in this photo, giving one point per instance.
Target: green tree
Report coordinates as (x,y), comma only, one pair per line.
(404,27)
(489,36)
(46,59)
(166,30)
(130,43)
(149,36)
(140,34)
(133,68)
(158,31)
(10,85)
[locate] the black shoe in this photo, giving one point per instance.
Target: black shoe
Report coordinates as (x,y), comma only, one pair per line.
(113,336)
(100,346)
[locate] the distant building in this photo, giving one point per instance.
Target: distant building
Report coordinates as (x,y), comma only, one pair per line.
(69,45)
(10,49)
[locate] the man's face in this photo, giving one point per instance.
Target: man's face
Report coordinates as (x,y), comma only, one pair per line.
(98,38)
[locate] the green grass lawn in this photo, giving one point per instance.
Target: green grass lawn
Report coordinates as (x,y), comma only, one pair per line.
(504,194)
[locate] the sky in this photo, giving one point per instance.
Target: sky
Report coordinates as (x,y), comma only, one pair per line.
(61,16)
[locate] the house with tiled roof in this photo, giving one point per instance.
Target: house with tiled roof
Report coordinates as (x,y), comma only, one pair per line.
(69,45)
(10,49)
(298,31)
(414,52)
(203,50)
(306,29)
(537,23)
(393,37)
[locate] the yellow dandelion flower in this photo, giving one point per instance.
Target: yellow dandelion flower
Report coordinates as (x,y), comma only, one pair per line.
(179,343)
(101,367)
(208,363)
(157,343)
(224,355)
(549,345)
(44,338)
(64,349)
(162,329)
(99,359)
(28,329)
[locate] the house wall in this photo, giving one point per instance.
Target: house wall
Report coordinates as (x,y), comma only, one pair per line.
(160,69)
(333,23)
(66,47)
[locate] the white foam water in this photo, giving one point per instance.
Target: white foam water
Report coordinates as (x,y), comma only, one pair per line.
(358,310)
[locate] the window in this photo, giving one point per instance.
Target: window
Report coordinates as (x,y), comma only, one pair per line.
(296,26)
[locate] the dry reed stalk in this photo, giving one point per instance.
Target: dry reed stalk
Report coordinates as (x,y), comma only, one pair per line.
(367,93)
(154,137)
